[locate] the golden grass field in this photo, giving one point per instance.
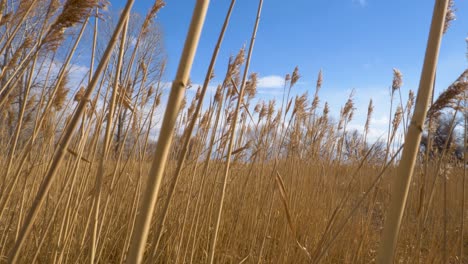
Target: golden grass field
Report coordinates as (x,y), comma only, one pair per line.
(109,170)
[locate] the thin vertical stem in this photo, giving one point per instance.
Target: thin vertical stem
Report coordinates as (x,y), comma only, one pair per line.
(107,143)
(233,134)
(462,218)
(189,130)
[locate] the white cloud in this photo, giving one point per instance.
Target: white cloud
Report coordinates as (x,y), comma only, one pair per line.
(375,133)
(271,81)
(381,121)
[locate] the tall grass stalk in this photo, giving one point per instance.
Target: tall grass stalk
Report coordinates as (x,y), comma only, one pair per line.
(462,216)
(188,132)
(60,153)
(138,244)
(107,143)
(413,138)
(233,135)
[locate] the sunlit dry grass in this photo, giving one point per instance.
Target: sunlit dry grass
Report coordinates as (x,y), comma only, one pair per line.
(245,180)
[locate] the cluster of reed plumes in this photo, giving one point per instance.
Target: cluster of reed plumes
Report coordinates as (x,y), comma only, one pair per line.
(244,181)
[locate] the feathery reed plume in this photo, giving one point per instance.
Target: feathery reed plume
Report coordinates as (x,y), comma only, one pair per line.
(466,40)
(79,95)
(412,140)
(74,12)
(233,71)
(295,76)
(319,80)
(397,80)
(158,4)
(410,103)
(370,110)
(449,97)
(61,94)
(396,121)
(450,16)
(65,141)
(348,109)
(300,106)
(251,86)
(318,86)
(326,110)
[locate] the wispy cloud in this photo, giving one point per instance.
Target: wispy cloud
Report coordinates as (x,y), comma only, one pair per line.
(271,81)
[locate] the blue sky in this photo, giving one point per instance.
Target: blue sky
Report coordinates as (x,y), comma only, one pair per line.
(355,42)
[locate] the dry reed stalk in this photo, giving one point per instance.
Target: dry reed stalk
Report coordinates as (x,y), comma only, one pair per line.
(396,85)
(233,135)
(107,143)
(131,224)
(424,180)
(60,153)
(283,195)
(61,76)
(74,11)
(331,222)
(323,249)
(413,138)
(188,132)
(72,176)
(119,159)
(12,35)
(462,216)
(440,164)
(158,4)
(12,80)
(218,101)
(17,133)
(138,244)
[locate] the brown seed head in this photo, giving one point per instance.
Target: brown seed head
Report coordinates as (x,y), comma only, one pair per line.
(319,80)
(79,95)
(370,110)
(295,76)
(151,15)
(397,80)
(449,16)
(251,86)
(219,94)
(448,97)
(74,12)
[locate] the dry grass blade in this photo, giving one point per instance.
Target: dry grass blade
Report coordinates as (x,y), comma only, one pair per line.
(284,199)
(99,170)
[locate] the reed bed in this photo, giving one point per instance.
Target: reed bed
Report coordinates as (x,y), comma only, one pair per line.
(95,173)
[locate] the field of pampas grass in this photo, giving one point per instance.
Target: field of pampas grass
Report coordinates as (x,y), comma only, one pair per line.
(108,169)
